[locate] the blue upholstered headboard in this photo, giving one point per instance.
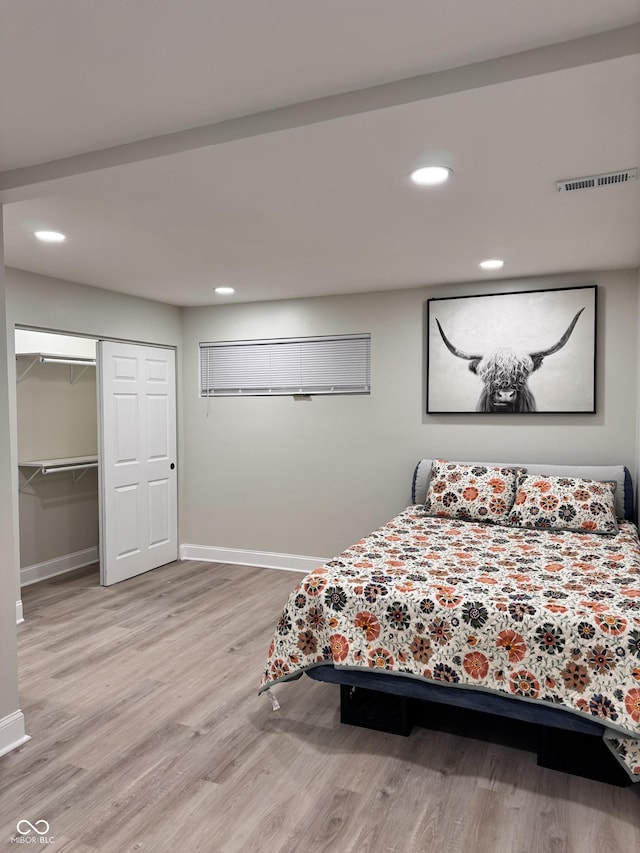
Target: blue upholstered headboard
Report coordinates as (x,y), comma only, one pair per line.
(619,473)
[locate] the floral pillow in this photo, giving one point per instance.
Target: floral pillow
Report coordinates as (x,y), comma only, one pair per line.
(471,492)
(564,503)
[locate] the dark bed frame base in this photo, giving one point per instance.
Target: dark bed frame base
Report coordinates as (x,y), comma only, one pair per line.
(575,752)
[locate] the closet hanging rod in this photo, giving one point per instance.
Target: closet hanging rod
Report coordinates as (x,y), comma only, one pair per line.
(76,467)
(48,358)
(81,362)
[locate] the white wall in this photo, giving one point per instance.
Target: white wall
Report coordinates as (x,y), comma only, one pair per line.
(55,417)
(310,478)
(51,304)
(11,720)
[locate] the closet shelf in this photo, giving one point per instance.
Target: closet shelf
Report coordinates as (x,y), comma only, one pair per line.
(75,464)
(52,358)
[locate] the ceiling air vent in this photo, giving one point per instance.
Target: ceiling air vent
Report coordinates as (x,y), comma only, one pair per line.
(605,180)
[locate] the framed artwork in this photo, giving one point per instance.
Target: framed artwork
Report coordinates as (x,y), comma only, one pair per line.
(503,353)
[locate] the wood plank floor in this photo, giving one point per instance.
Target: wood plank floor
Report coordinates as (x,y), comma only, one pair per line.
(148,735)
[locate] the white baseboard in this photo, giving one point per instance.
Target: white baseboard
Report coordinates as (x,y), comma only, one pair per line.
(260,559)
(19,613)
(58,566)
(12,733)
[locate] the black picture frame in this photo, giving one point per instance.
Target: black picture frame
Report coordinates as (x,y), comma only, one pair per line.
(517,352)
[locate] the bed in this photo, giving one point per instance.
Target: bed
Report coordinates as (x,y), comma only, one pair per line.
(503,590)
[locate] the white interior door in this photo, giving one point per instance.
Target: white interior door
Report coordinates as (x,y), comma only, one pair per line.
(137,452)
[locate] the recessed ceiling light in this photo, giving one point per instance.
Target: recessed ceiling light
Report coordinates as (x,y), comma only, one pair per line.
(50,236)
(429,176)
(492,264)
(225,291)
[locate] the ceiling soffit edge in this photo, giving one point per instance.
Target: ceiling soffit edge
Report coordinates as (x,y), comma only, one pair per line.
(27,182)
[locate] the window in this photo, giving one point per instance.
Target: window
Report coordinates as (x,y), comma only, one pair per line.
(338,364)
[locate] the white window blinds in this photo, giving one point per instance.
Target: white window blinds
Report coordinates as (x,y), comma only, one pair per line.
(339,364)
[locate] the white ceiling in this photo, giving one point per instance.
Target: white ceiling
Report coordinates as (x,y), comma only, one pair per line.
(188,145)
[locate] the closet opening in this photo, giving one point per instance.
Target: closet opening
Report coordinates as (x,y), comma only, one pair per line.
(97,448)
(57,435)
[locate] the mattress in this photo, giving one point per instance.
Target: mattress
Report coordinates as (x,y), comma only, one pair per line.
(549,618)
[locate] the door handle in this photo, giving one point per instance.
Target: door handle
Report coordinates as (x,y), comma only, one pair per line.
(172,465)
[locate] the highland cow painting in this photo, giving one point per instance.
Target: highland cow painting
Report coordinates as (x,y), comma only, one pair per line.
(531,352)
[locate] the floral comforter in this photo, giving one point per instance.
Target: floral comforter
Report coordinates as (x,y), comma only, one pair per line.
(542,616)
